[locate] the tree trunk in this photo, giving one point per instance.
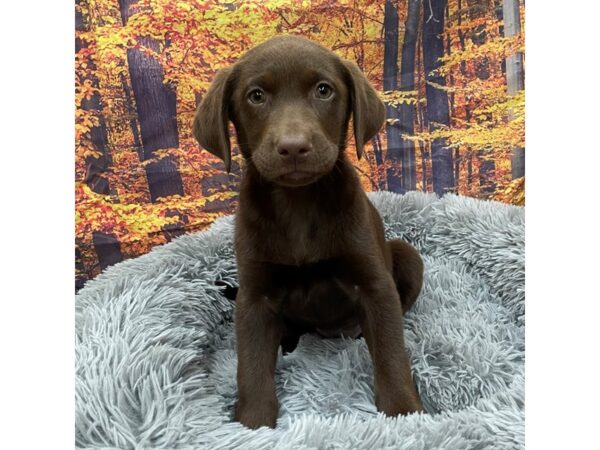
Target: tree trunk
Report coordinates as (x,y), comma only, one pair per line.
(96,168)
(487,167)
(515,75)
(424,166)
(469,171)
(156,108)
(390,83)
(438,114)
(212,184)
(456,166)
(379,163)
(107,248)
(451,100)
(80,272)
(477,9)
(421,119)
(407,83)
(500,18)
(377,150)
(463,70)
(137,142)
(487,172)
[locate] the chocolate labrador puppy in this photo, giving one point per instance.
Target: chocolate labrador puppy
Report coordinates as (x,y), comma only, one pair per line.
(310,247)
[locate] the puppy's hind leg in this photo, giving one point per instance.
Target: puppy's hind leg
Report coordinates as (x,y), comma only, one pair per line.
(407,272)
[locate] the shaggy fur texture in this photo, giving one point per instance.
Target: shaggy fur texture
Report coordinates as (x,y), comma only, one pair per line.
(155,360)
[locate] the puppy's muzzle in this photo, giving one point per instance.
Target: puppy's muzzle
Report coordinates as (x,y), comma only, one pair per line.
(294,151)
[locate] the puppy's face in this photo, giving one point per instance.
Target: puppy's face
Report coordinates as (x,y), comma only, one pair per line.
(290,109)
(290,101)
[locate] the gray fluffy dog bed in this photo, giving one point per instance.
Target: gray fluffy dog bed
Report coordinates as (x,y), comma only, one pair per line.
(155,359)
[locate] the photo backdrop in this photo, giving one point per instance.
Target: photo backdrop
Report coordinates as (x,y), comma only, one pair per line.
(451,73)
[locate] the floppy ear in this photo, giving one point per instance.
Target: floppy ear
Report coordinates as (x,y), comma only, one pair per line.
(212,118)
(368,110)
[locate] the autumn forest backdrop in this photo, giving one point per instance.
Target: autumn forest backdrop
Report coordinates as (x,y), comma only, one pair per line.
(451,73)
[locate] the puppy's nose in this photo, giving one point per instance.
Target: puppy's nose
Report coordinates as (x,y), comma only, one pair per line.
(293,145)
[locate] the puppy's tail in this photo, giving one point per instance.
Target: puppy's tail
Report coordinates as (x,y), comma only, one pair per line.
(407,271)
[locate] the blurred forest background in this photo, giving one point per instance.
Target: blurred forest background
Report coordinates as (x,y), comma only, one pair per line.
(451,73)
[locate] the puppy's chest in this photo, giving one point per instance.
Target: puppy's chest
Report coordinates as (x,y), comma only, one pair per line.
(301,237)
(318,294)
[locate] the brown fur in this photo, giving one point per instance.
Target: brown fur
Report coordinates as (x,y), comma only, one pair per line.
(310,247)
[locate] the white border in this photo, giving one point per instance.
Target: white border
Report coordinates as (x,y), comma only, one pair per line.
(37,225)
(563,171)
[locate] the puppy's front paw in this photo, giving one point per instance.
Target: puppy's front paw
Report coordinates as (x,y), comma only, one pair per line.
(257,414)
(394,405)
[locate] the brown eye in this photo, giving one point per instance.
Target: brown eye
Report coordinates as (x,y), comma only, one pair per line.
(324,91)
(256,96)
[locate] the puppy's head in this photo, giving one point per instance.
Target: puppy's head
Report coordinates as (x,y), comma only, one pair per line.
(290,101)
